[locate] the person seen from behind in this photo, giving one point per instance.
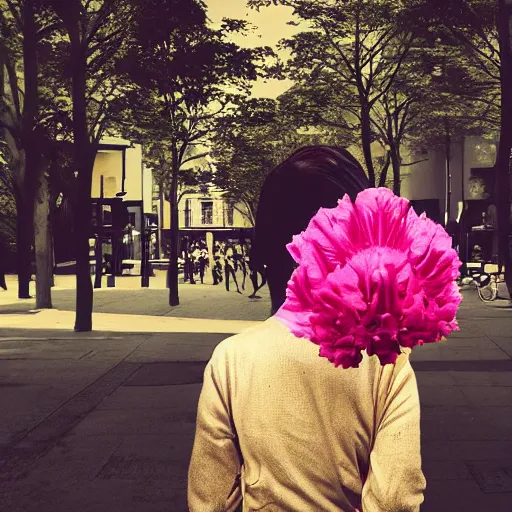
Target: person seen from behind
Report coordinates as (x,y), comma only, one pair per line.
(203,261)
(279,427)
(229,266)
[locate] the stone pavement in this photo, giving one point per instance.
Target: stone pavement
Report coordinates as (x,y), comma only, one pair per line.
(104,421)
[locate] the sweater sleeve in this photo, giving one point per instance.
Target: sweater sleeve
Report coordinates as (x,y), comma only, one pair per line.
(395,481)
(213,476)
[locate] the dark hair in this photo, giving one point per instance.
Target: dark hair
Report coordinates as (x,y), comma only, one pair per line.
(311,178)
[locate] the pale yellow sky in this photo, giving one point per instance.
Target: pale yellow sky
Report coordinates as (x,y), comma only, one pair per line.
(271,28)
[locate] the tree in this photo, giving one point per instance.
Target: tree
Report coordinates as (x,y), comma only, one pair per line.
(183,71)
(257,138)
(483,29)
(24,25)
(8,217)
(243,154)
(454,98)
(95,32)
(355,51)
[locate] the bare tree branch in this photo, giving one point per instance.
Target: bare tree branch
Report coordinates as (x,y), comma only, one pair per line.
(194,157)
(414,163)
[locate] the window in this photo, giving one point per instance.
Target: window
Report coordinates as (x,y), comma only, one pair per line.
(207,212)
(229,214)
(107,215)
(188,214)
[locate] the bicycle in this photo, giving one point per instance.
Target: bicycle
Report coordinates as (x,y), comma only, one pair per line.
(485,279)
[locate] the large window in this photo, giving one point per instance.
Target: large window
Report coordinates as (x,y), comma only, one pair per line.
(207,212)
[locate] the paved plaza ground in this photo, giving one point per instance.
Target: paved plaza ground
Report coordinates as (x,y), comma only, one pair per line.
(195,300)
(104,421)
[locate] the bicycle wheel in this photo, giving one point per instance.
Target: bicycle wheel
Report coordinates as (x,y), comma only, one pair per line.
(489,292)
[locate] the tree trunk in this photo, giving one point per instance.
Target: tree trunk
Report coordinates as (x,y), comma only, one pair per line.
(24,218)
(161,222)
(395,163)
(52,250)
(172,272)
(29,165)
(503,161)
(366,142)
(42,245)
(83,163)
(83,220)
(384,170)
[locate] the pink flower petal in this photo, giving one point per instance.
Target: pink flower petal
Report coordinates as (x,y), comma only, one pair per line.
(372,276)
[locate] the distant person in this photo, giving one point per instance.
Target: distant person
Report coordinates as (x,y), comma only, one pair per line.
(229,267)
(464,230)
(203,262)
(128,241)
(191,263)
(492,223)
(196,253)
(152,246)
(237,257)
(108,264)
(217,269)
(184,255)
(244,259)
(253,275)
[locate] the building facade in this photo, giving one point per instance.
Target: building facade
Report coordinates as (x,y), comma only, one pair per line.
(446,187)
(121,183)
(200,214)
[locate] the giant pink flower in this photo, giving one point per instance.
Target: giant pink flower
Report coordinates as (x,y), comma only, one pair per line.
(372,276)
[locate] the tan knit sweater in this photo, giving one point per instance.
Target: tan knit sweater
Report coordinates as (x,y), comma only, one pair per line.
(302,434)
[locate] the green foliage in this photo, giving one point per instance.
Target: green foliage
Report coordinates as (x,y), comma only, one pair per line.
(106,31)
(347,65)
(186,77)
(460,69)
(248,145)
(369,69)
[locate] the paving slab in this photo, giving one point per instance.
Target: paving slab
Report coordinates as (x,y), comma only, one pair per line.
(492,476)
(482,378)
(151,457)
(109,495)
(488,396)
(168,374)
(463,495)
(153,397)
(434,396)
(471,423)
(172,421)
